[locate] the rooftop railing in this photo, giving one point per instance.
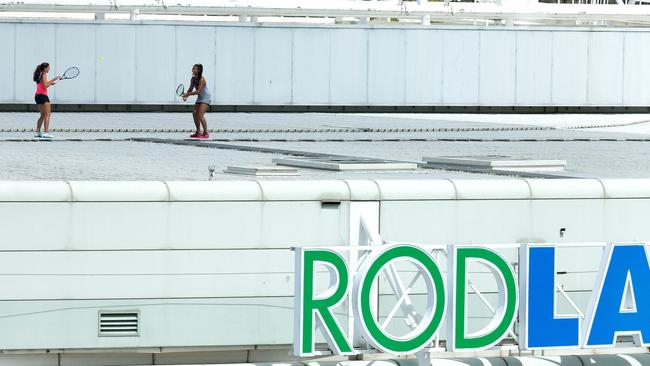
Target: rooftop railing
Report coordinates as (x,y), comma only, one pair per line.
(497,12)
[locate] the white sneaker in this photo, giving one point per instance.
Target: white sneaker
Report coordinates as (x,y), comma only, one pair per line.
(46,135)
(38,134)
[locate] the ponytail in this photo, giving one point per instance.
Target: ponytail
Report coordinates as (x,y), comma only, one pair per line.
(38,71)
(199,75)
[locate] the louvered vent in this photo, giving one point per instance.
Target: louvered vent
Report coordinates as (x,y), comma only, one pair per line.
(119,324)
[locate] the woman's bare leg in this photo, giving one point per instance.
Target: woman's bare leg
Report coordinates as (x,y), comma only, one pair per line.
(48,114)
(41,118)
(202,109)
(195,116)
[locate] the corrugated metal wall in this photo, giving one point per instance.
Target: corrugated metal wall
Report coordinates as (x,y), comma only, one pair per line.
(249,64)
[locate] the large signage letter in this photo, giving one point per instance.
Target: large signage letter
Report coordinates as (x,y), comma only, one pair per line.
(621,305)
(311,307)
(539,326)
(424,333)
(458,338)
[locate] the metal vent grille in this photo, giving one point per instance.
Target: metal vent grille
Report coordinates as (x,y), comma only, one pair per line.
(119,324)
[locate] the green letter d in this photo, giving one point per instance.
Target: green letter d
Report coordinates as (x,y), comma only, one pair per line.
(458,338)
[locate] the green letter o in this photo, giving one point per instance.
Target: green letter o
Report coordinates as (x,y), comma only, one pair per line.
(433,315)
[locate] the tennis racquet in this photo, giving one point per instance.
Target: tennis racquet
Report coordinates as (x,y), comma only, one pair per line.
(70,73)
(180,90)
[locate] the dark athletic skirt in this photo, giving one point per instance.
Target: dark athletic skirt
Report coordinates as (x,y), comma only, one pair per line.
(41,99)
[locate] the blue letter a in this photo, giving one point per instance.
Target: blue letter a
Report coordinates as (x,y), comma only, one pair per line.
(627,270)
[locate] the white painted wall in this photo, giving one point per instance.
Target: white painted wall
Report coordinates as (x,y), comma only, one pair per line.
(209,263)
(248,64)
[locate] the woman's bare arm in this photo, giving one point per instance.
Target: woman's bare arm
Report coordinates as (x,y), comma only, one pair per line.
(48,83)
(189,91)
(199,89)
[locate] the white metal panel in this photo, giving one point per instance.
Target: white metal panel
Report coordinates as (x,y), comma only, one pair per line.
(8,75)
(349,65)
(108,191)
(312,190)
(440,222)
(534,64)
(254,225)
(583,219)
(570,65)
(497,68)
(273,52)
(626,220)
(164,323)
(235,65)
(134,225)
(417,189)
(423,67)
(220,190)
(311,67)
(589,262)
(34,45)
(427,222)
(180,225)
(155,54)
(363,190)
(572,280)
(211,224)
(147,263)
(428,213)
(565,188)
(546,61)
(626,188)
(386,65)
(127,286)
(34,191)
(19,218)
(461,67)
(487,221)
(149,225)
(297,224)
(320,190)
(222,224)
(146,274)
(605,73)
(194,45)
(118,225)
(636,70)
(75,46)
(116,63)
(489,189)
(580,298)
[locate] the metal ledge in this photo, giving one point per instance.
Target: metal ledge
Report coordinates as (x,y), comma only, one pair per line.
(74,107)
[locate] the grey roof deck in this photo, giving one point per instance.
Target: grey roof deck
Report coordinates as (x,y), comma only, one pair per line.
(119,146)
